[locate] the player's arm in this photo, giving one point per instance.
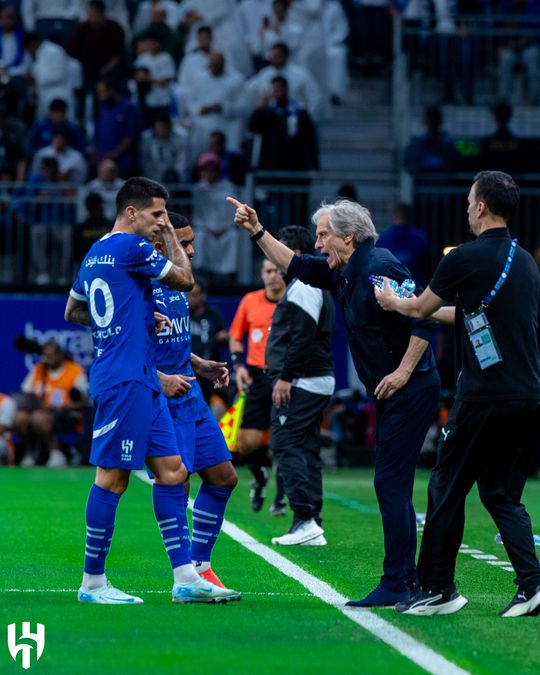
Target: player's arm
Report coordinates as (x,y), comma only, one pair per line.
(215,371)
(77,311)
(180,275)
(246,218)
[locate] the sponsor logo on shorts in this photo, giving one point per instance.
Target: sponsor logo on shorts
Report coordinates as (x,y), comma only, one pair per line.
(127,449)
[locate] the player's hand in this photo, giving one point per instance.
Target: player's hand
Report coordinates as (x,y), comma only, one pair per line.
(161,321)
(243,378)
(175,386)
(385,297)
(245,216)
(281,393)
(215,371)
(391,383)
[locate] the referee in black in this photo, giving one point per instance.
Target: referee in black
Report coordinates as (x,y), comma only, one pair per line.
(494,286)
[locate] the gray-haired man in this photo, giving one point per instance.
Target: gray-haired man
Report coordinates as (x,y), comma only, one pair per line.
(392,357)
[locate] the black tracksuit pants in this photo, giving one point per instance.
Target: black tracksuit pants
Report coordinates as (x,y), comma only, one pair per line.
(489,443)
(295,443)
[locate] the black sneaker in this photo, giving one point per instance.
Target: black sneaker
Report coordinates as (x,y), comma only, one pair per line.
(524,603)
(258,485)
(428,602)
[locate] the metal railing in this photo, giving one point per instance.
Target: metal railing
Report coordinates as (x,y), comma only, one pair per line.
(40,243)
(440,209)
(462,65)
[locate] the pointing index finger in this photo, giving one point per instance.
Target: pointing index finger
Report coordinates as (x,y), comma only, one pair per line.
(234,201)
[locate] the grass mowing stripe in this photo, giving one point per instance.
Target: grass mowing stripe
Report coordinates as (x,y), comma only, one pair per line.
(349,503)
(412,649)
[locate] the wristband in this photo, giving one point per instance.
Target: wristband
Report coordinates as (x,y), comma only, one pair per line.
(237,358)
(257,235)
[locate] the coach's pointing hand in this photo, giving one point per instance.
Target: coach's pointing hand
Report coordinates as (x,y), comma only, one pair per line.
(245,216)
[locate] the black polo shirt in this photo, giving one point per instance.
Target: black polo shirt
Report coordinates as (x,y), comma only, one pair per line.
(464,277)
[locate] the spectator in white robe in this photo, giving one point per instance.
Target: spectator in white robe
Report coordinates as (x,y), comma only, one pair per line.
(71,162)
(216,101)
(106,185)
(308,14)
(251,14)
(215,232)
(51,73)
(164,151)
(336,30)
(279,28)
(223,18)
(302,86)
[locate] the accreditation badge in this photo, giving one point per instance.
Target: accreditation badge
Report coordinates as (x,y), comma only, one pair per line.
(482,339)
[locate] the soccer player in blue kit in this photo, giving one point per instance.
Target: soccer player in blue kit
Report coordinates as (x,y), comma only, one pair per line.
(132,425)
(204,450)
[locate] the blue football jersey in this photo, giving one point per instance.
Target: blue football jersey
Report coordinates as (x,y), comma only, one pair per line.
(115,280)
(173,352)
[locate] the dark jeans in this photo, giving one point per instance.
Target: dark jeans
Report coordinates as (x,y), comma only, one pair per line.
(491,444)
(295,443)
(402,423)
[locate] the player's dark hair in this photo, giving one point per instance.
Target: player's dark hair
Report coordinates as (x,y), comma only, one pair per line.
(178,221)
(298,238)
(139,192)
(498,191)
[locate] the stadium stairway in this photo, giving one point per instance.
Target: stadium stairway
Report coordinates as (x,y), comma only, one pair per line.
(356,146)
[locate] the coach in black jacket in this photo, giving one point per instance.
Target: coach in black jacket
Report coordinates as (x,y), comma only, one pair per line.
(393,359)
(299,361)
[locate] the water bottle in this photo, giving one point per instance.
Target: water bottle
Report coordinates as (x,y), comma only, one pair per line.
(406,290)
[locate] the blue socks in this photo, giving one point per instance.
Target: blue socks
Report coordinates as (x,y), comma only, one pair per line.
(100,514)
(208,512)
(170,512)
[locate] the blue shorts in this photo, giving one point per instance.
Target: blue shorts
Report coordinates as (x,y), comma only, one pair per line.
(201,443)
(132,422)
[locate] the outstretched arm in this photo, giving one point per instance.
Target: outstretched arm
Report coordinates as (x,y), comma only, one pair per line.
(246,218)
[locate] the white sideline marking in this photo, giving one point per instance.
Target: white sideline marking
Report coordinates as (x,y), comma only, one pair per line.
(415,651)
(485,556)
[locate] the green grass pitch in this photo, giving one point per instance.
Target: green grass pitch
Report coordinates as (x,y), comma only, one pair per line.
(277,628)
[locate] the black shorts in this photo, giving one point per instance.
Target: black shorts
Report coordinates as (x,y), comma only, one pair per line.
(258,401)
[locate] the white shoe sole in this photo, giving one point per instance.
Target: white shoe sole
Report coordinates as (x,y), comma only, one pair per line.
(318,541)
(292,540)
(524,608)
(431,610)
(87,598)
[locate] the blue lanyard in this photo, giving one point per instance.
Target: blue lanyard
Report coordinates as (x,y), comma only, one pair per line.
(500,281)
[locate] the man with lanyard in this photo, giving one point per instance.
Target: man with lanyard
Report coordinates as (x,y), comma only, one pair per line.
(198,434)
(495,420)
